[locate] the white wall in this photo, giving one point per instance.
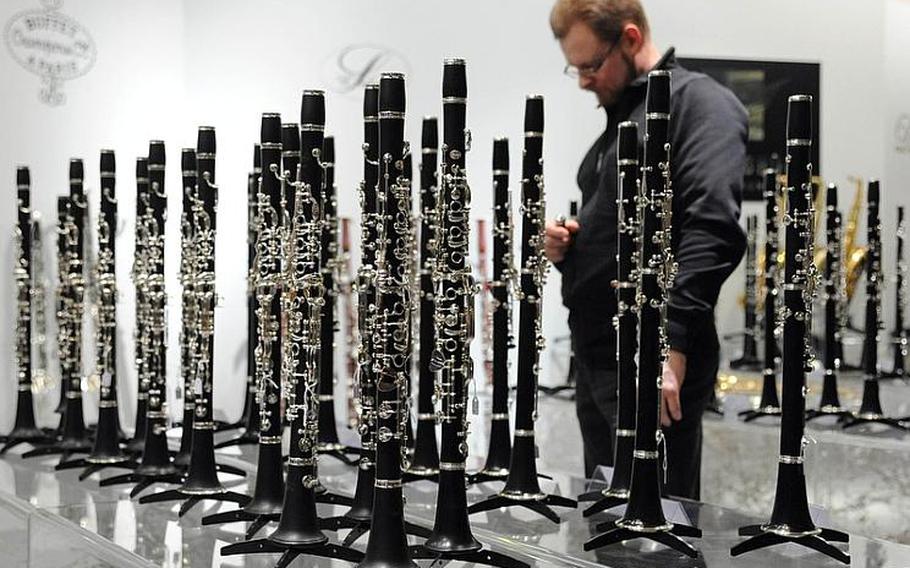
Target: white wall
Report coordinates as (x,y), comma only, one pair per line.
(165,67)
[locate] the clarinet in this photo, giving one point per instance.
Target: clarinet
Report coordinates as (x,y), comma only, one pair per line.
(644,516)
(522,479)
(346,278)
(899,334)
(139,275)
(625,322)
(365,382)
(426,454)
(189,339)
(40,377)
(251,404)
(749,357)
(270,226)
(328,431)
(72,436)
(201,477)
(298,524)
(267,215)
(830,401)
(387,545)
(250,417)
(871,408)
(454,317)
(790,518)
(155,460)
(769,405)
(107,437)
(499,452)
(24,428)
(522,487)
(75,437)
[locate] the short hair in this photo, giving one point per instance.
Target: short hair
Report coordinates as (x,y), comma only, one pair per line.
(606,17)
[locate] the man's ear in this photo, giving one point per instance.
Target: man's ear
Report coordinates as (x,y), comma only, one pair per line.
(632,38)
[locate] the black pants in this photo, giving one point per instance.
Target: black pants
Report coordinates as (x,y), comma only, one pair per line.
(595,405)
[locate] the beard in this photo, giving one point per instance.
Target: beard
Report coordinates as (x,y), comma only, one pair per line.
(608,98)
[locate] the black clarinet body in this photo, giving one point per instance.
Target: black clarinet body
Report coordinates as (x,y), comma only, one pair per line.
(298,524)
(830,400)
(362,509)
(24,427)
(870,410)
(499,452)
(625,322)
(189,309)
(328,429)
(522,487)
(749,358)
(426,452)
(155,459)
(871,407)
(790,518)
(644,507)
(107,436)
(137,442)
(74,435)
(522,481)
(644,516)
(769,404)
(899,333)
(387,546)
(202,478)
(266,280)
(454,319)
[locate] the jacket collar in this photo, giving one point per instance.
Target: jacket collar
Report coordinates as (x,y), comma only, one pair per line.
(632,95)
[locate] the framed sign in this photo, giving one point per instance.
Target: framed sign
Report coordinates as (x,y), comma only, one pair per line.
(763,88)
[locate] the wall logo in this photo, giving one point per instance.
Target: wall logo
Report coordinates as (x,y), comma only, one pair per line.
(51,45)
(353,66)
(902,134)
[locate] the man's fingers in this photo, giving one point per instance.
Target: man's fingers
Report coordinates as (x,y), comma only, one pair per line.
(670,409)
(557,233)
(664,417)
(572,226)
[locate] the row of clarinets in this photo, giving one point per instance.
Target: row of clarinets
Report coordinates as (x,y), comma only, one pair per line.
(838,264)
(293,284)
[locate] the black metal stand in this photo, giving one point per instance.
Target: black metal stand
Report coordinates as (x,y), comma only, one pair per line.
(522,488)
(618,491)
(478,555)
(290,551)
(763,536)
(791,521)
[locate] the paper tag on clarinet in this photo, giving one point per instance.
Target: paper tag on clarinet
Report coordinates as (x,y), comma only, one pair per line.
(603,474)
(106,380)
(819,515)
(197,386)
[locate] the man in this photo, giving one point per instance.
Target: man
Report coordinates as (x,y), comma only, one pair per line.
(608,47)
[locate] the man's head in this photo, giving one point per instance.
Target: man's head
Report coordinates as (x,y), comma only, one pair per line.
(606,44)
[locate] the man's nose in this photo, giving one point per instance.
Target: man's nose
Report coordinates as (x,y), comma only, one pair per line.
(585,82)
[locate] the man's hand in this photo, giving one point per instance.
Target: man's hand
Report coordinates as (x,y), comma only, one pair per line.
(558,238)
(673,377)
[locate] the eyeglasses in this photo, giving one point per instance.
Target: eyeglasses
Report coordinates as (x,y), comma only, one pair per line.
(589,69)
